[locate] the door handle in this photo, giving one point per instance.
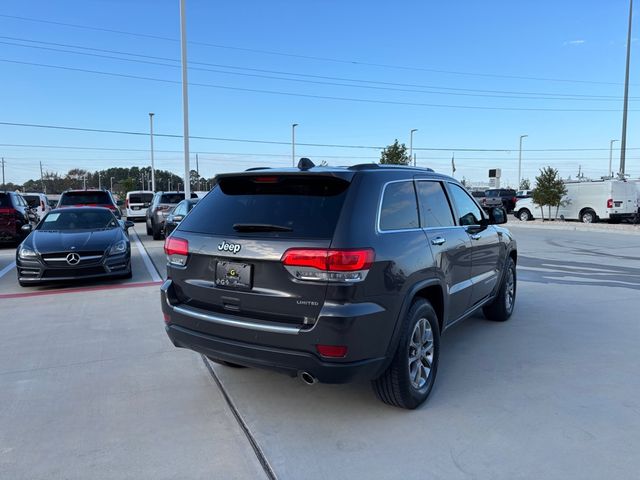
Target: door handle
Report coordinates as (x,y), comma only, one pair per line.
(438,241)
(475,236)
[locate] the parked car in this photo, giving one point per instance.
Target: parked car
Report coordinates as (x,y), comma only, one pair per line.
(14,214)
(335,274)
(72,243)
(90,198)
(158,211)
(136,204)
(38,203)
(525,209)
(53,200)
(500,197)
(523,193)
(177,214)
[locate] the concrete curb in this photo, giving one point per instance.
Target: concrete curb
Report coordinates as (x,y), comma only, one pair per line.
(578,227)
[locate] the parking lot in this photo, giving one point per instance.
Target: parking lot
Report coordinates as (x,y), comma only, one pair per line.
(91,387)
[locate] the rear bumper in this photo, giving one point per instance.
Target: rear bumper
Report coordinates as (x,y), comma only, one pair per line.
(135,213)
(290,362)
(281,347)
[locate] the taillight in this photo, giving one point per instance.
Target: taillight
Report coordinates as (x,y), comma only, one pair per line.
(126,203)
(328,264)
(610,203)
(42,205)
(177,250)
(333,351)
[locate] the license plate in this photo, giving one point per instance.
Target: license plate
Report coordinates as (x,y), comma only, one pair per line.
(233,275)
(135,208)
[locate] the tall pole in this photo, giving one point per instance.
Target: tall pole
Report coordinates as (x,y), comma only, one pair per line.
(153,168)
(610,172)
(111,184)
(198,171)
(44,190)
(293,144)
(520,160)
(99,181)
(623,142)
(3,184)
(84,182)
(411,145)
(185,98)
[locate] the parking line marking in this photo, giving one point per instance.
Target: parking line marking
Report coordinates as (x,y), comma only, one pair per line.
(79,290)
(8,268)
(155,276)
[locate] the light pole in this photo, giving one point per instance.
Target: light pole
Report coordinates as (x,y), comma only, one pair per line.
(623,142)
(293,144)
(111,183)
(185,98)
(153,169)
(520,160)
(610,172)
(411,145)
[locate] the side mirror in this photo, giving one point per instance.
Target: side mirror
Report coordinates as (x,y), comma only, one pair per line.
(497,216)
(26,228)
(128,224)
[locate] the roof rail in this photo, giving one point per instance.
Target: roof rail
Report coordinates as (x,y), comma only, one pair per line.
(256,168)
(375,166)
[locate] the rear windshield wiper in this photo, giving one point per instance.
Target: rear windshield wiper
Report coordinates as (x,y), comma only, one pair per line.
(260,227)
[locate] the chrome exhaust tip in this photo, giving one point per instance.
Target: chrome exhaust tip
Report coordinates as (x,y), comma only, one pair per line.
(307,378)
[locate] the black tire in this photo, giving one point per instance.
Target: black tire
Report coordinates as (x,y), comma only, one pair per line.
(588,216)
(149,231)
(499,310)
(157,234)
(225,363)
(524,215)
(394,386)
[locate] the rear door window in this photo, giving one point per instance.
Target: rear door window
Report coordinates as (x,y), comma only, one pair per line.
(290,206)
(435,210)
(399,210)
(85,198)
(171,197)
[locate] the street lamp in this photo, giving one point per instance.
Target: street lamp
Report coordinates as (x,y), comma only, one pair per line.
(623,143)
(520,160)
(185,98)
(411,145)
(293,144)
(610,172)
(111,183)
(153,170)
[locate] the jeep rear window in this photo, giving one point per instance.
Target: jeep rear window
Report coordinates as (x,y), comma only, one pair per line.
(174,197)
(307,205)
(5,201)
(140,197)
(85,198)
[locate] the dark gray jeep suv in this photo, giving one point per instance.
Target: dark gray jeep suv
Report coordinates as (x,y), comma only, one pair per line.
(336,274)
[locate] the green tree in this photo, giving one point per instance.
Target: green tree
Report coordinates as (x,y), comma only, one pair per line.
(525,184)
(549,190)
(395,154)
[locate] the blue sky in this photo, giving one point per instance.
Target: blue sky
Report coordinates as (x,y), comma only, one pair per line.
(527,48)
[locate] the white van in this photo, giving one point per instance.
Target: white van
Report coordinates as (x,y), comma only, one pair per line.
(588,202)
(136,204)
(612,200)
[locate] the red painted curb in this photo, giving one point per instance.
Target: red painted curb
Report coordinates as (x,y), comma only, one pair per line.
(79,290)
